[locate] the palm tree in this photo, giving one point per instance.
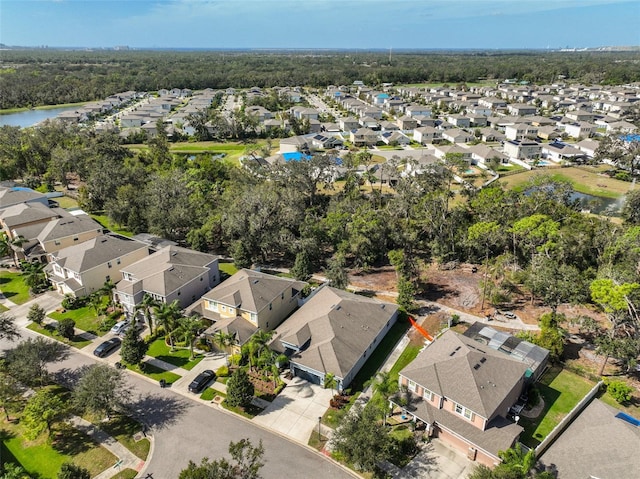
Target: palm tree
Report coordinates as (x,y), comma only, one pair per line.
(8,246)
(167,315)
(146,306)
(224,340)
(386,386)
(330,381)
(107,290)
(34,276)
(258,343)
(189,327)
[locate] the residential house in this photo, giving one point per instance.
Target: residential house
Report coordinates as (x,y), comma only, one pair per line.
(23,215)
(454,135)
(490,135)
(247,301)
(427,134)
(18,194)
(580,116)
(558,151)
(388,126)
(462,390)
(442,151)
(417,110)
(369,122)
(521,131)
(588,147)
(349,123)
(549,133)
(521,149)
(601,441)
(483,154)
(460,121)
(580,129)
(364,137)
(334,332)
(395,138)
(477,121)
(407,123)
(83,268)
(172,273)
(520,109)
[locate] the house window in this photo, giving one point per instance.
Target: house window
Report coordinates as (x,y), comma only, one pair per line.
(270,306)
(254,317)
(178,293)
(107,278)
(224,308)
(201,278)
(428,395)
(412,386)
(213,306)
(108,264)
(267,325)
(75,238)
(118,261)
(463,411)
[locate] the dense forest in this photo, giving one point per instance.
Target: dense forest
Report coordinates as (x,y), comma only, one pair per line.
(31,78)
(534,242)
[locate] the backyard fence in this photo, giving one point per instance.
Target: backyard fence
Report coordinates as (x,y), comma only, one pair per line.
(567,419)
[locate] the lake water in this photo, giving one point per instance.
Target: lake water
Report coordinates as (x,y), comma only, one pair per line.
(32,117)
(598,204)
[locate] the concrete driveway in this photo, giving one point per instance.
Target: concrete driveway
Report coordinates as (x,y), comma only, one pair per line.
(295,412)
(437,461)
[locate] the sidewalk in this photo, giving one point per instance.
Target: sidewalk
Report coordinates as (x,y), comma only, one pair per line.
(126,459)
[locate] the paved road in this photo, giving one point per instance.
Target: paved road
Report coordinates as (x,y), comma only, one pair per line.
(185,430)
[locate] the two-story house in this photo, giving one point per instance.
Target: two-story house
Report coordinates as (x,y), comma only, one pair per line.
(172,273)
(462,391)
(247,301)
(83,268)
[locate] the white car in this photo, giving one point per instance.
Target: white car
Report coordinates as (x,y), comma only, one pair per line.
(510,315)
(120,327)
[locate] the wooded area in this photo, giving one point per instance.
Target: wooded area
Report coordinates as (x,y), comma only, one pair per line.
(31,78)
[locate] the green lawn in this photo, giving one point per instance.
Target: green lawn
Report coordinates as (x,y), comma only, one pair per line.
(561,390)
(47,330)
(211,393)
(156,373)
(126,474)
(179,357)
(249,412)
(66,202)
(85,318)
(3,308)
(123,429)
(43,456)
(228,268)
(107,223)
(13,287)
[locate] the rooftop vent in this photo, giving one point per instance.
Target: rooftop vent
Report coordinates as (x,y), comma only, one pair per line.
(483,360)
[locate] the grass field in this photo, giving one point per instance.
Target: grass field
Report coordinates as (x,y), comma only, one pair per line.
(156,373)
(85,318)
(123,429)
(232,150)
(228,268)
(49,331)
(560,390)
(43,456)
(583,181)
(107,223)
(13,287)
(180,357)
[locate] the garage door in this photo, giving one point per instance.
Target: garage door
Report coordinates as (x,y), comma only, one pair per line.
(312,378)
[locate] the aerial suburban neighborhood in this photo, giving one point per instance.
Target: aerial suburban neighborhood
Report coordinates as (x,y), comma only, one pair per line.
(466,384)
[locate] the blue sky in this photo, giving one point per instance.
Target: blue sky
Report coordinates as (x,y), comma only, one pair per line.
(321,23)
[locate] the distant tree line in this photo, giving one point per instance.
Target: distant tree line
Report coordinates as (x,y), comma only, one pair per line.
(46,77)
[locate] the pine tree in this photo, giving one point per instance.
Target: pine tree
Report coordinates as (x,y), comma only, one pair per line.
(133,348)
(239,389)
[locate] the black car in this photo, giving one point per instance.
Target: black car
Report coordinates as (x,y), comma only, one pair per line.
(107,347)
(201,381)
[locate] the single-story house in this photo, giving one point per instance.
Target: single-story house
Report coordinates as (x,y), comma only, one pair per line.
(333,332)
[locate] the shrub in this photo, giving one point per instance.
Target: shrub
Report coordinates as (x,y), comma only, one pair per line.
(107,324)
(239,389)
(71,302)
(66,328)
(222,371)
(70,471)
(619,390)
(36,314)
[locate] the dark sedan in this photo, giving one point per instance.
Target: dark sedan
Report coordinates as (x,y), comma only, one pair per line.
(201,381)
(105,348)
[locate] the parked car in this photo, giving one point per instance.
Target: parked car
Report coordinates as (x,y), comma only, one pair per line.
(509,314)
(201,381)
(120,327)
(105,348)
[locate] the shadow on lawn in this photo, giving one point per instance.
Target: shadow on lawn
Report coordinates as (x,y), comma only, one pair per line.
(70,440)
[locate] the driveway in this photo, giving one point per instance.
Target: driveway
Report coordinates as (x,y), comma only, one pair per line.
(437,461)
(295,412)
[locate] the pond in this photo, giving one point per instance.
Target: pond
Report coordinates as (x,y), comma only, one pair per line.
(598,204)
(32,117)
